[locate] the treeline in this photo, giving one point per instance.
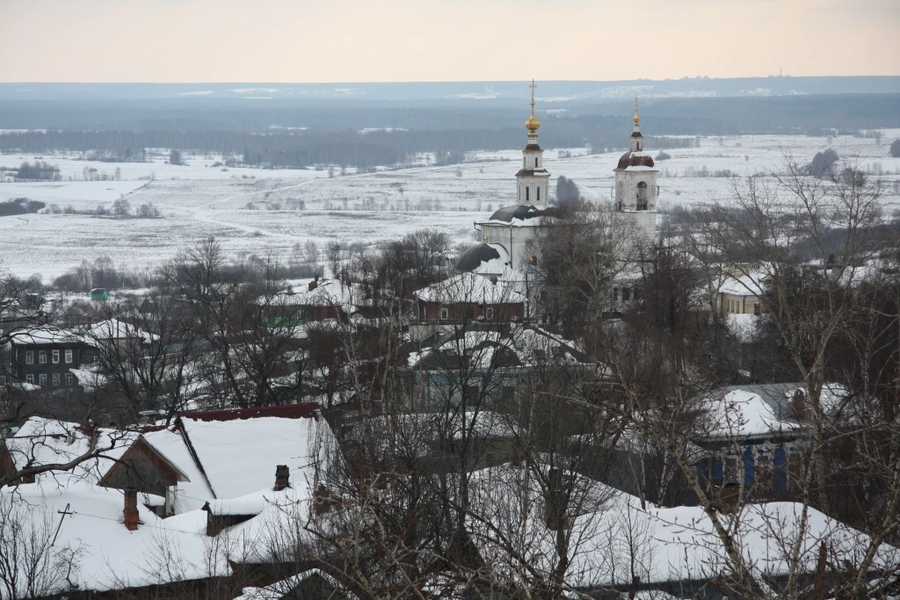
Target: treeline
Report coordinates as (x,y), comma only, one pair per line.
(293,149)
(39,171)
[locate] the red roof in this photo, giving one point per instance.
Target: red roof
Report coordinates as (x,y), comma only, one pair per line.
(287,411)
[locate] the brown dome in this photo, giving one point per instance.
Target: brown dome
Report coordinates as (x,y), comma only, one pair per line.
(634,159)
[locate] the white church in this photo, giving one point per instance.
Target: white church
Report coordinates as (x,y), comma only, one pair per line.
(507,235)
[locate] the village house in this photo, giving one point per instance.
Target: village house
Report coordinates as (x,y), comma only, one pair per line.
(53,357)
(468,297)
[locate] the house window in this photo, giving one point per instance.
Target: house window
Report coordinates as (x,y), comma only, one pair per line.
(445,313)
(70,379)
(42,357)
(42,379)
(55,379)
(29,378)
(489,313)
(68,357)
(29,357)
(55,357)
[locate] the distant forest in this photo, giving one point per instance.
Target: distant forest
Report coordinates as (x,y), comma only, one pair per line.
(285,135)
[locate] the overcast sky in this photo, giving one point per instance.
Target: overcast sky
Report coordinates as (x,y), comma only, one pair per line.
(452,40)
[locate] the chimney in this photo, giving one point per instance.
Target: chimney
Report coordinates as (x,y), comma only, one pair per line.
(313,284)
(799,405)
(131,511)
(282,478)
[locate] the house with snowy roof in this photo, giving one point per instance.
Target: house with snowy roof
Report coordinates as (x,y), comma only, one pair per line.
(53,357)
(467,297)
(615,542)
(493,364)
(314,300)
(45,355)
(755,435)
(44,449)
(214,470)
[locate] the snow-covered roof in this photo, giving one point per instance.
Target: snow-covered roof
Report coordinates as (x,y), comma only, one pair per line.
(41,441)
(282,589)
(750,283)
(741,414)
(191,494)
(111,329)
(114,329)
(107,555)
(45,335)
(615,538)
(239,457)
(327,292)
(513,346)
(470,288)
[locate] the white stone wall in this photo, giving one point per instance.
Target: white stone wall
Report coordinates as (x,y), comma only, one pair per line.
(627,188)
(516,240)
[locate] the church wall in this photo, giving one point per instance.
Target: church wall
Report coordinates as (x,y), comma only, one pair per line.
(516,240)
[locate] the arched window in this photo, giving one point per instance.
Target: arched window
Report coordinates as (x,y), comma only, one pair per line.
(642,196)
(527,194)
(539,194)
(535,162)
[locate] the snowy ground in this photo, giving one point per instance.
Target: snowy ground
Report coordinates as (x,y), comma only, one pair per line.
(258,211)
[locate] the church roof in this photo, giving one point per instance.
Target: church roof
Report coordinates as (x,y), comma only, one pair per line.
(635,159)
(533,172)
(523,212)
(472,258)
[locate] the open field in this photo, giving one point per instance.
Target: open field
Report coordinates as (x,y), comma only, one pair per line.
(263,211)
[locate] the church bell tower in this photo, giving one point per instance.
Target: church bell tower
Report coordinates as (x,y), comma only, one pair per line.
(533,180)
(637,191)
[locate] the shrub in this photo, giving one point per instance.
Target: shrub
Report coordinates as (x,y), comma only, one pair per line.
(822,162)
(895,148)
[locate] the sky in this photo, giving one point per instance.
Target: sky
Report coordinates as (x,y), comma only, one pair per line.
(310,41)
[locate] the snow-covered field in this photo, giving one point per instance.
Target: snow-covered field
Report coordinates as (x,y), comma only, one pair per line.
(259,211)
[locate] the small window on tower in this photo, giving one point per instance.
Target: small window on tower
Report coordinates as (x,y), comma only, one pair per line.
(539,194)
(527,190)
(535,162)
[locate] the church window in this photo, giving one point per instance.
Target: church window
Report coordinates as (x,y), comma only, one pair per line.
(642,196)
(535,162)
(539,194)
(527,194)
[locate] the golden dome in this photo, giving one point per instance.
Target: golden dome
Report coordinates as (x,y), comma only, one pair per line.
(637,119)
(532,124)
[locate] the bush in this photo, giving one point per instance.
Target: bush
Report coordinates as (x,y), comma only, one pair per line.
(822,162)
(175,158)
(895,148)
(121,207)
